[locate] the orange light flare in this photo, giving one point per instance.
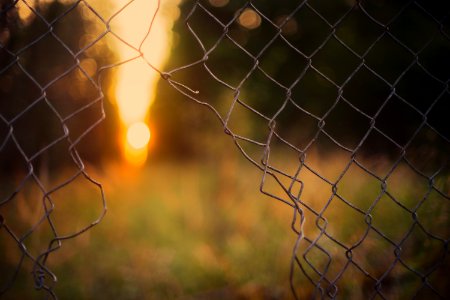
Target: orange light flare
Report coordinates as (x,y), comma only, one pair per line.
(136,80)
(137,143)
(138,135)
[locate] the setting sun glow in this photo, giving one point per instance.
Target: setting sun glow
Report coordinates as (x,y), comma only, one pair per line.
(138,135)
(136,79)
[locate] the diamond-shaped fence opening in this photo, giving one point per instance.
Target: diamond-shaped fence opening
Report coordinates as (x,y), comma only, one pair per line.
(49,131)
(88,34)
(309,27)
(342,107)
(316,100)
(20,89)
(75,86)
(370,99)
(275,56)
(298,139)
(388,59)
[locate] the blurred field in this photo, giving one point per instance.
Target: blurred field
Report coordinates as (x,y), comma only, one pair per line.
(202,230)
(198,227)
(172,231)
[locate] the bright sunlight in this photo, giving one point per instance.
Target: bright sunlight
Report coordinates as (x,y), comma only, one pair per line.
(136,80)
(138,135)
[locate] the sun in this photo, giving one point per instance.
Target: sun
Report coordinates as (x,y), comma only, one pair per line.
(135,89)
(136,143)
(138,135)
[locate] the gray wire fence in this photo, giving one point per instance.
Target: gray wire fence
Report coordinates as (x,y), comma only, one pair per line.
(298,86)
(34,128)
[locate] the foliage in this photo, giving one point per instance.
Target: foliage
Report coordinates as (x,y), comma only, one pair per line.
(353,72)
(205,233)
(42,88)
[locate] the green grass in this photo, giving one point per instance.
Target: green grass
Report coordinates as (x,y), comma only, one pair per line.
(202,230)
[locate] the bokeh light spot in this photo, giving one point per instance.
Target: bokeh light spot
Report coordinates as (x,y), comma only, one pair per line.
(250,19)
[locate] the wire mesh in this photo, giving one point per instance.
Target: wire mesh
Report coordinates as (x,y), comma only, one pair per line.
(52,103)
(349,83)
(325,80)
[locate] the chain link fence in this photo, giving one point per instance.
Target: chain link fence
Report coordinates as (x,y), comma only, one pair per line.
(342,106)
(356,84)
(50,101)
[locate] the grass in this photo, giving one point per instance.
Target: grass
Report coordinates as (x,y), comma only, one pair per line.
(171,231)
(203,231)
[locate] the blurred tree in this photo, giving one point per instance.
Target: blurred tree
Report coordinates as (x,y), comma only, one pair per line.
(42,85)
(341,64)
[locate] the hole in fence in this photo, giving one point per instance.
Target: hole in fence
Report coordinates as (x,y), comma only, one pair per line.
(338,107)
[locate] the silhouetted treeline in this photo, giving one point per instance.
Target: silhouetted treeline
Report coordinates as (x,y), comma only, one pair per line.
(387,66)
(41,87)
